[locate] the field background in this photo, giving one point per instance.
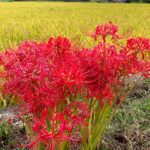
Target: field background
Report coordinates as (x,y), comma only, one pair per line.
(39,20)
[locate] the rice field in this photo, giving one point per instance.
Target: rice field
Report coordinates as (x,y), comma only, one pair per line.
(39,20)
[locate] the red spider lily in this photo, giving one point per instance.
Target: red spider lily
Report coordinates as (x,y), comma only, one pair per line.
(139,44)
(67,76)
(57,82)
(59,46)
(105,30)
(74,114)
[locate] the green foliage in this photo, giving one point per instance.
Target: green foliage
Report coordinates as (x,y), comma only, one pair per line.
(133,112)
(130,126)
(5,131)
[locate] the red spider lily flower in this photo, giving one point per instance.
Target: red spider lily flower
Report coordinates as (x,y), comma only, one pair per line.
(105,30)
(75,114)
(139,45)
(68,77)
(59,46)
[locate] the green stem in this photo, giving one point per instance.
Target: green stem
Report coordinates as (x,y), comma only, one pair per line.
(99,126)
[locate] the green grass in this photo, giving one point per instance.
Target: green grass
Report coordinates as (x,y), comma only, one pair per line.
(136,111)
(130,128)
(39,20)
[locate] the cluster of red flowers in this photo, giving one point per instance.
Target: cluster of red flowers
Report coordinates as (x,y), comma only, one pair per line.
(104,30)
(55,80)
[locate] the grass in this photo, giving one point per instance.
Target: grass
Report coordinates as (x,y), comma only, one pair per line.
(40,20)
(130,129)
(5,134)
